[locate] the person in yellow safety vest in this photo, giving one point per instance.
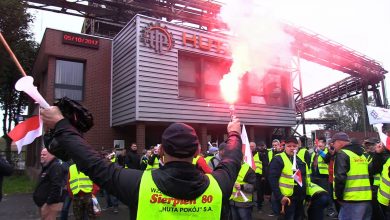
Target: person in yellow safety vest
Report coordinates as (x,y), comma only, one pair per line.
(81,190)
(145,159)
(155,161)
(276,148)
(370,145)
(200,163)
(352,188)
(384,190)
(259,153)
(320,159)
(241,200)
(210,154)
(289,192)
(319,200)
(176,191)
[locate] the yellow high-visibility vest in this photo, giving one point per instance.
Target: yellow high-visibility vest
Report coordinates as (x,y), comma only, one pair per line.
(78,181)
(155,165)
(286,181)
(258,163)
(384,186)
(357,186)
(236,196)
(153,204)
(195,160)
(323,168)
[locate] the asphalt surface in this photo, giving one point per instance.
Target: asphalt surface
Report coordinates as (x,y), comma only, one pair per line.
(22,207)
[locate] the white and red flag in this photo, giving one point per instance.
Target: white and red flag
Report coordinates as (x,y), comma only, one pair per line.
(298,177)
(26,132)
(246,150)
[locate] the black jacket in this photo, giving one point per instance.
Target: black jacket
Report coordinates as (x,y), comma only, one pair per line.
(133,160)
(342,166)
(176,179)
(50,185)
(275,171)
(5,170)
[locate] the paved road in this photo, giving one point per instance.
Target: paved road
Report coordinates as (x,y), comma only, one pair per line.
(22,207)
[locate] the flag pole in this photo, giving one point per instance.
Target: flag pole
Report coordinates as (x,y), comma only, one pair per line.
(4,42)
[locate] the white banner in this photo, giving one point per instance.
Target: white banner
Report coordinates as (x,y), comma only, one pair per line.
(377,115)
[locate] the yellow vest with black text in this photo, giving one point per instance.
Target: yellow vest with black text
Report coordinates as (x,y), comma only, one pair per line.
(78,181)
(286,181)
(258,163)
(357,187)
(323,168)
(153,204)
(384,186)
(155,165)
(236,195)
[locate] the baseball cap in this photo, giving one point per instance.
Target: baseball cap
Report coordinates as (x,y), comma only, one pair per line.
(180,140)
(340,136)
(371,140)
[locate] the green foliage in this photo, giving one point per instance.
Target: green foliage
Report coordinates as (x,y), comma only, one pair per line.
(348,113)
(14,21)
(18,184)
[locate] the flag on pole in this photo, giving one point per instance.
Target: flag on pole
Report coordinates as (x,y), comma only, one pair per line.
(246,150)
(26,132)
(377,115)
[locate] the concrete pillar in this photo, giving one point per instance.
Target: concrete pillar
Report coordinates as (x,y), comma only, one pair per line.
(203,137)
(140,136)
(252,133)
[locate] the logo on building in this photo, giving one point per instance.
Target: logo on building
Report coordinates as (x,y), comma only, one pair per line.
(157,37)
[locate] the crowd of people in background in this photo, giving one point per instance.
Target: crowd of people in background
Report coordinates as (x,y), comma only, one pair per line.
(340,177)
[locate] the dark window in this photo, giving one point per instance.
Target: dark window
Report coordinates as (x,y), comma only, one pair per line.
(199,76)
(69,80)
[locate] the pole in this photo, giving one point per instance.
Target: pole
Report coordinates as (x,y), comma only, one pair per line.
(4,42)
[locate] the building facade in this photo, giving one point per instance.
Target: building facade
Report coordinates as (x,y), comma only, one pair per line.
(153,73)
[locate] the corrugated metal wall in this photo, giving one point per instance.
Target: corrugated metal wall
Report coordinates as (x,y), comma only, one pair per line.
(158,96)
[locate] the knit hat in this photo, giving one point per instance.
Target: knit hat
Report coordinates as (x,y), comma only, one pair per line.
(180,140)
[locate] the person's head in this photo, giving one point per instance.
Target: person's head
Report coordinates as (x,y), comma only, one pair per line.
(133,146)
(340,140)
(291,146)
(321,143)
(276,145)
(370,144)
(179,143)
(380,148)
(252,145)
(261,146)
(148,153)
(221,149)
(46,157)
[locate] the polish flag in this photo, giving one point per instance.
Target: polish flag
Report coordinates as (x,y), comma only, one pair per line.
(246,150)
(298,177)
(26,132)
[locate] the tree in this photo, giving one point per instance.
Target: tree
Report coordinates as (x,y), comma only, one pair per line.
(348,114)
(14,21)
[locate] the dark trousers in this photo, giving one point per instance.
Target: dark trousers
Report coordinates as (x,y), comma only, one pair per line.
(324,183)
(83,207)
(241,213)
(260,185)
(294,211)
(65,207)
(112,201)
(317,205)
(385,211)
(377,213)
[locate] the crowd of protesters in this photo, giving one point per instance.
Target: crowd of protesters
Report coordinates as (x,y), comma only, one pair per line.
(340,177)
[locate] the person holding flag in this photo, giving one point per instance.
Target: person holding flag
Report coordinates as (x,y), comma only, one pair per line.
(288,180)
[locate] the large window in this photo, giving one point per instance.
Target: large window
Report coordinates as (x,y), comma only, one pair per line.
(69,80)
(199,76)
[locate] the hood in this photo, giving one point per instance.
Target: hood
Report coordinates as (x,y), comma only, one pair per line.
(356,148)
(180,180)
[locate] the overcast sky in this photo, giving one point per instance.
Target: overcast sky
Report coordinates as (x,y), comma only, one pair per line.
(358,24)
